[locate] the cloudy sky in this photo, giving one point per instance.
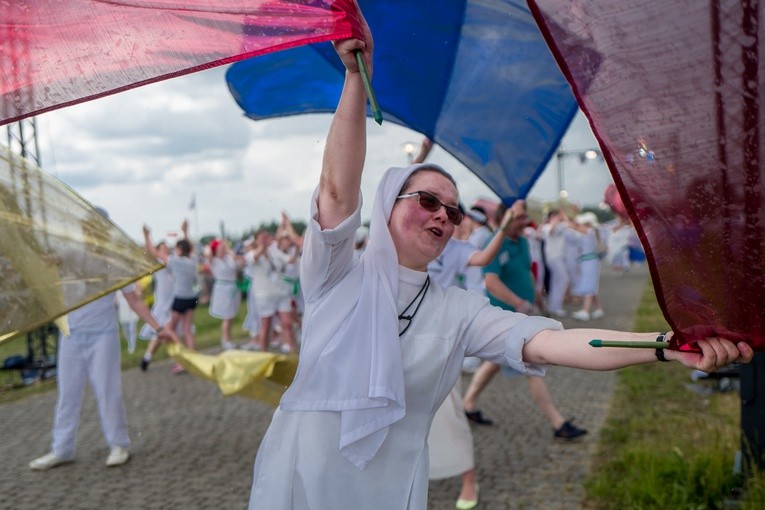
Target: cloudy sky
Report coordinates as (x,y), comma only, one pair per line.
(143,154)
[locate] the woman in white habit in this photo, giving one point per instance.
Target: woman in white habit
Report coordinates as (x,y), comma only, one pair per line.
(383,346)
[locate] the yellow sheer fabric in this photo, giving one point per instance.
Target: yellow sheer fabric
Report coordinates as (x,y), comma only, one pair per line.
(262,376)
(57,252)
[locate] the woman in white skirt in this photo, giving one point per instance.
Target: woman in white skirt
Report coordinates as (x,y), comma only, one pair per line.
(225,297)
(587,279)
(163,290)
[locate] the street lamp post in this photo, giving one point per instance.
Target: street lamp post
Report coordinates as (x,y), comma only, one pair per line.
(584,156)
(409,148)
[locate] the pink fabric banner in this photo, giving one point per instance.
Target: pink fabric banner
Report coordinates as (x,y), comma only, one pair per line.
(671,90)
(56,53)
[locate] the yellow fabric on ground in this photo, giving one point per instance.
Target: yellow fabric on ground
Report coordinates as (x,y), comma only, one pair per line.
(261,376)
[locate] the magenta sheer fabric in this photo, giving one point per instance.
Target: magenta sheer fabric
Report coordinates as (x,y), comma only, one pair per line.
(56,53)
(671,90)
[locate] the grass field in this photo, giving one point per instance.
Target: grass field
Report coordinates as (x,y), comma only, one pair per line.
(665,447)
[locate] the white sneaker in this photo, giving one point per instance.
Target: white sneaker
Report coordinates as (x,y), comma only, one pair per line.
(117,456)
(47,461)
(580,315)
(558,313)
(597,314)
(251,346)
(227,346)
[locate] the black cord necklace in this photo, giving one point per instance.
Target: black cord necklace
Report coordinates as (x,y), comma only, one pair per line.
(421,296)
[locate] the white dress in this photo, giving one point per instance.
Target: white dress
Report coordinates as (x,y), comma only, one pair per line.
(618,243)
(299,464)
(163,302)
(587,278)
(225,296)
(450,441)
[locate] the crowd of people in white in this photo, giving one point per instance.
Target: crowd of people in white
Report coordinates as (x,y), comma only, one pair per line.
(264,268)
(566,254)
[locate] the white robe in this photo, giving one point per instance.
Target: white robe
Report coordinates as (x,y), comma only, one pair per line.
(225,296)
(450,441)
(299,464)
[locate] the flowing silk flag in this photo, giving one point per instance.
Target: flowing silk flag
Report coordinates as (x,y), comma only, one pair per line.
(261,376)
(475,76)
(56,53)
(672,92)
(57,252)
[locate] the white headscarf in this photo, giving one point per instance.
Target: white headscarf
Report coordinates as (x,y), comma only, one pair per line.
(355,367)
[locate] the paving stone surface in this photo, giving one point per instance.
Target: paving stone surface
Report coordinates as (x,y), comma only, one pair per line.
(193,448)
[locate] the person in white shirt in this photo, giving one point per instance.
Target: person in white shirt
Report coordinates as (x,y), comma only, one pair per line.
(266,266)
(450,441)
(555,255)
(620,232)
(225,296)
(183,266)
(163,290)
(91,354)
(587,280)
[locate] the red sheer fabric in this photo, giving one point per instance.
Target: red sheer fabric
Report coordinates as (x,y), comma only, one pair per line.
(671,90)
(55,53)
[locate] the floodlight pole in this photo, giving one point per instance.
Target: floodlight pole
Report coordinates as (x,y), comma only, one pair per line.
(584,156)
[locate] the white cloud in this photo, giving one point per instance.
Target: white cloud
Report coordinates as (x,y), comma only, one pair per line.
(144,153)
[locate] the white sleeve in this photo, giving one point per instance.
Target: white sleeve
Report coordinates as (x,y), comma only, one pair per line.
(499,335)
(327,254)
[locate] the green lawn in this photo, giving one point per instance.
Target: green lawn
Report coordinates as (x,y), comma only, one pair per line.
(665,447)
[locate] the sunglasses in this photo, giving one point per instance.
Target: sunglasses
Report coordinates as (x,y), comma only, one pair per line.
(431,203)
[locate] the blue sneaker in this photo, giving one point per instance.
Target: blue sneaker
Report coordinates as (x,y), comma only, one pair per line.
(569,432)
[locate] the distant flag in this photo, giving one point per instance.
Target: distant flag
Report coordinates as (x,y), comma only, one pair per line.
(57,252)
(193,202)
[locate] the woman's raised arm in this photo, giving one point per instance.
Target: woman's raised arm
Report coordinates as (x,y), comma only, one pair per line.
(346,146)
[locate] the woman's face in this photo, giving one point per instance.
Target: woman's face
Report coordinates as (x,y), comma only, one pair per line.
(419,235)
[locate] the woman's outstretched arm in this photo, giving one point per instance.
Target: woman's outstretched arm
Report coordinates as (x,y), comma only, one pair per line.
(571,348)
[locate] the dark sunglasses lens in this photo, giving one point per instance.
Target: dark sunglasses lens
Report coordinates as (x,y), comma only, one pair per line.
(454,215)
(429,202)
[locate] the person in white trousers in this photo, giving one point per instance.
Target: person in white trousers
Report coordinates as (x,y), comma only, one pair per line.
(91,353)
